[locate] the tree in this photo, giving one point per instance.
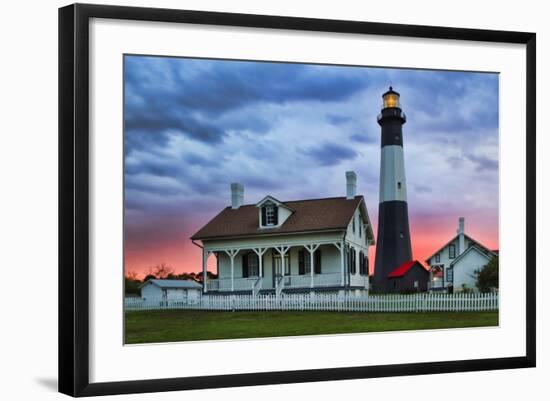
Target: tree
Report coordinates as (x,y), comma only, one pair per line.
(148,277)
(487,276)
(131,275)
(163,271)
(131,283)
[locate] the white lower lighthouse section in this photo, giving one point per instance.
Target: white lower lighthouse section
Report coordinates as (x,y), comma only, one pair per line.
(393,186)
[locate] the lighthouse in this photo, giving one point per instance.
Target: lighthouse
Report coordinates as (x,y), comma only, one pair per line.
(393,245)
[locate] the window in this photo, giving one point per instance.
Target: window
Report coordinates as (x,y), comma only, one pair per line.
(452,251)
(353,224)
(401,235)
(253,265)
(360,229)
(437,258)
(398,185)
(304,261)
(450,274)
(351,259)
(307,263)
(269,215)
(363,264)
(416,284)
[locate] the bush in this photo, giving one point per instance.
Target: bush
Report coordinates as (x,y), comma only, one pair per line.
(487,277)
(131,286)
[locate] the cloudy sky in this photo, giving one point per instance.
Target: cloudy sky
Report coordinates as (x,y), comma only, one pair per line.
(292,130)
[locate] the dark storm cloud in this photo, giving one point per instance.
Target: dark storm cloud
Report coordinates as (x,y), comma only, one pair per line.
(450,102)
(330,154)
(163,119)
(192,96)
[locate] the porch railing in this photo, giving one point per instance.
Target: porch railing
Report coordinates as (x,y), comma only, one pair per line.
(224,284)
(327,280)
(319,280)
(289,281)
(359,281)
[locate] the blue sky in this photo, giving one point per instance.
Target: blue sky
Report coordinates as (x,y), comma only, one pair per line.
(194,126)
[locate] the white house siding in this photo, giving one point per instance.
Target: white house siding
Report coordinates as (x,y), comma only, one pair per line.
(284,214)
(150,290)
(153,291)
(358,239)
(464,270)
(176,293)
(444,259)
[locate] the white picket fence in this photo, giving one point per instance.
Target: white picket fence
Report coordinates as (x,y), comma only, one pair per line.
(424,302)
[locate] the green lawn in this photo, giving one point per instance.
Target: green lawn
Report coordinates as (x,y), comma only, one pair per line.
(187,325)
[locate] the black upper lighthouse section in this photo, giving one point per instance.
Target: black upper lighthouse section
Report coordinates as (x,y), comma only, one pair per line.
(393,245)
(391,119)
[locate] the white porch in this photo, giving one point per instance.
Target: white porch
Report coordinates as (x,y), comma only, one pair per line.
(287,266)
(437,278)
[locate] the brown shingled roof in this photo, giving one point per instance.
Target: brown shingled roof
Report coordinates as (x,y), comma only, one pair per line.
(308,215)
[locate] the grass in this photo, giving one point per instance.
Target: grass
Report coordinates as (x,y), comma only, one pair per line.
(188,325)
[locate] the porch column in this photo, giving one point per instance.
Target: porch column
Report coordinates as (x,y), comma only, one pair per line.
(204,272)
(260,252)
(311,249)
(282,251)
(232,253)
(342,249)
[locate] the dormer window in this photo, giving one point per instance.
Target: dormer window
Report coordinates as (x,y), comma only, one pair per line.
(270,215)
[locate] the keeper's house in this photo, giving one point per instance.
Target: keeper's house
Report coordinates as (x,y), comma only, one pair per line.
(453,266)
(296,246)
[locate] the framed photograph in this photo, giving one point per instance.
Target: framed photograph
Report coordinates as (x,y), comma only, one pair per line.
(252,199)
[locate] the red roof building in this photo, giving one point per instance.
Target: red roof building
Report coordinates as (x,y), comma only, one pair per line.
(409,277)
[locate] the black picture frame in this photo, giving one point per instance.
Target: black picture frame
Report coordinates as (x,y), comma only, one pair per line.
(74,198)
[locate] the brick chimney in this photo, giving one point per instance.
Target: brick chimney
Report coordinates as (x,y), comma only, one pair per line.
(460,233)
(237,195)
(351,184)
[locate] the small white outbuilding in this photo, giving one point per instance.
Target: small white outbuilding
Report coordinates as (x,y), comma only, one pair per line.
(184,290)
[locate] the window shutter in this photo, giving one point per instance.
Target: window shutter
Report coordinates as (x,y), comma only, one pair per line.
(366,265)
(263,266)
(317,261)
(361,267)
(301,267)
(275,215)
(263,216)
(353,267)
(245,265)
